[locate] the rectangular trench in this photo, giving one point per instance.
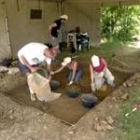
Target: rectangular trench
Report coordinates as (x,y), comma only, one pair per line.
(65,108)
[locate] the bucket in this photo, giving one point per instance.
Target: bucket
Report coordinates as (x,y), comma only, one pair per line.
(54,85)
(42,72)
(73,91)
(88,100)
(72,94)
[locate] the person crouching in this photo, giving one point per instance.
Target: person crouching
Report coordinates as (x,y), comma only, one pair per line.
(75,70)
(99,73)
(30,56)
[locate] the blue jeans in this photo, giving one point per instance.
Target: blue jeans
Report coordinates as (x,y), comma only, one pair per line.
(23,68)
(77,77)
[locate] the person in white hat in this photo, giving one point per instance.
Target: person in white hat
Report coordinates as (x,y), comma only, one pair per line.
(99,73)
(75,70)
(30,56)
(54,30)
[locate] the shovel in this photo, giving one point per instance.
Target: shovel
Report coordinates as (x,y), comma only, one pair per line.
(136,107)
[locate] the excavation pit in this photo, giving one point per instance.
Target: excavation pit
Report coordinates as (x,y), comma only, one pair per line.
(65,108)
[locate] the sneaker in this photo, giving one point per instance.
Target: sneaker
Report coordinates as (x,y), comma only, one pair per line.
(33,97)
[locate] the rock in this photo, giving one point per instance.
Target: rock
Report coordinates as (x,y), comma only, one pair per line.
(11,117)
(40,113)
(108,127)
(114,99)
(13,70)
(125,96)
(3,69)
(97,127)
(129,84)
(96,118)
(71,132)
(125,85)
(45,127)
(110,106)
(103,122)
(11,111)
(109,119)
(104,127)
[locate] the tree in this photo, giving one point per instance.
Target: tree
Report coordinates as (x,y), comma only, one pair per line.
(119,22)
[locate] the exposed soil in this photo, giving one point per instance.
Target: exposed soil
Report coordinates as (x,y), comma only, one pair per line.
(21,119)
(65,108)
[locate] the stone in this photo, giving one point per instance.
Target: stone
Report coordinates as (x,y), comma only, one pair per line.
(40,113)
(103,122)
(109,119)
(129,84)
(12,70)
(114,99)
(11,117)
(45,127)
(108,127)
(11,111)
(125,96)
(71,132)
(97,127)
(96,118)
(104,127)
(125,85)
(3,69)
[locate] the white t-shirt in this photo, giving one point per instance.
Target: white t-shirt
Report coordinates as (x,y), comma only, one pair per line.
(33,53)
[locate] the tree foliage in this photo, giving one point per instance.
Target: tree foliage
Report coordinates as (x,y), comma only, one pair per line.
(120,22)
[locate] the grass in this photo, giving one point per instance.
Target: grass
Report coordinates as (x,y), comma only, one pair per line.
(104,50)
(130,126)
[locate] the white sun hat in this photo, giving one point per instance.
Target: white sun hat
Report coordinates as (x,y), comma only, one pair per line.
(95,60)
(66,61)
(64,17)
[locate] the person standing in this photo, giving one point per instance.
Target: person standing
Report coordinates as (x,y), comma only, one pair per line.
(30,56)
(54,30)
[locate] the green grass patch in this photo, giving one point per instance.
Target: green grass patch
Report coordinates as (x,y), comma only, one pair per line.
(130,125)
(105,50)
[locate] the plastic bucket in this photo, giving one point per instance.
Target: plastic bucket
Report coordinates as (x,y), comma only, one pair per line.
(72,94)
(88,100)
(54,85)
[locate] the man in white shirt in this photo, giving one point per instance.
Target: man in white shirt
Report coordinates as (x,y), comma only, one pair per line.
(30,56)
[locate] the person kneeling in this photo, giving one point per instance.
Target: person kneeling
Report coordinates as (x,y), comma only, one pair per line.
(75,70)
(99,73)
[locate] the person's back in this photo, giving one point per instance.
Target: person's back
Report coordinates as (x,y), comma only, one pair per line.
(33,52)
(55,30)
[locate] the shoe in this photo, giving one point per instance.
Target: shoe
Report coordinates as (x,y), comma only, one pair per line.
(33,97)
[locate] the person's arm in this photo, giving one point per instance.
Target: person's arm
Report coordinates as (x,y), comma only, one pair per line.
(91,73)
(50,27)
(92,78)
(103,60)
(59,70)
(74,69)
(32,69)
